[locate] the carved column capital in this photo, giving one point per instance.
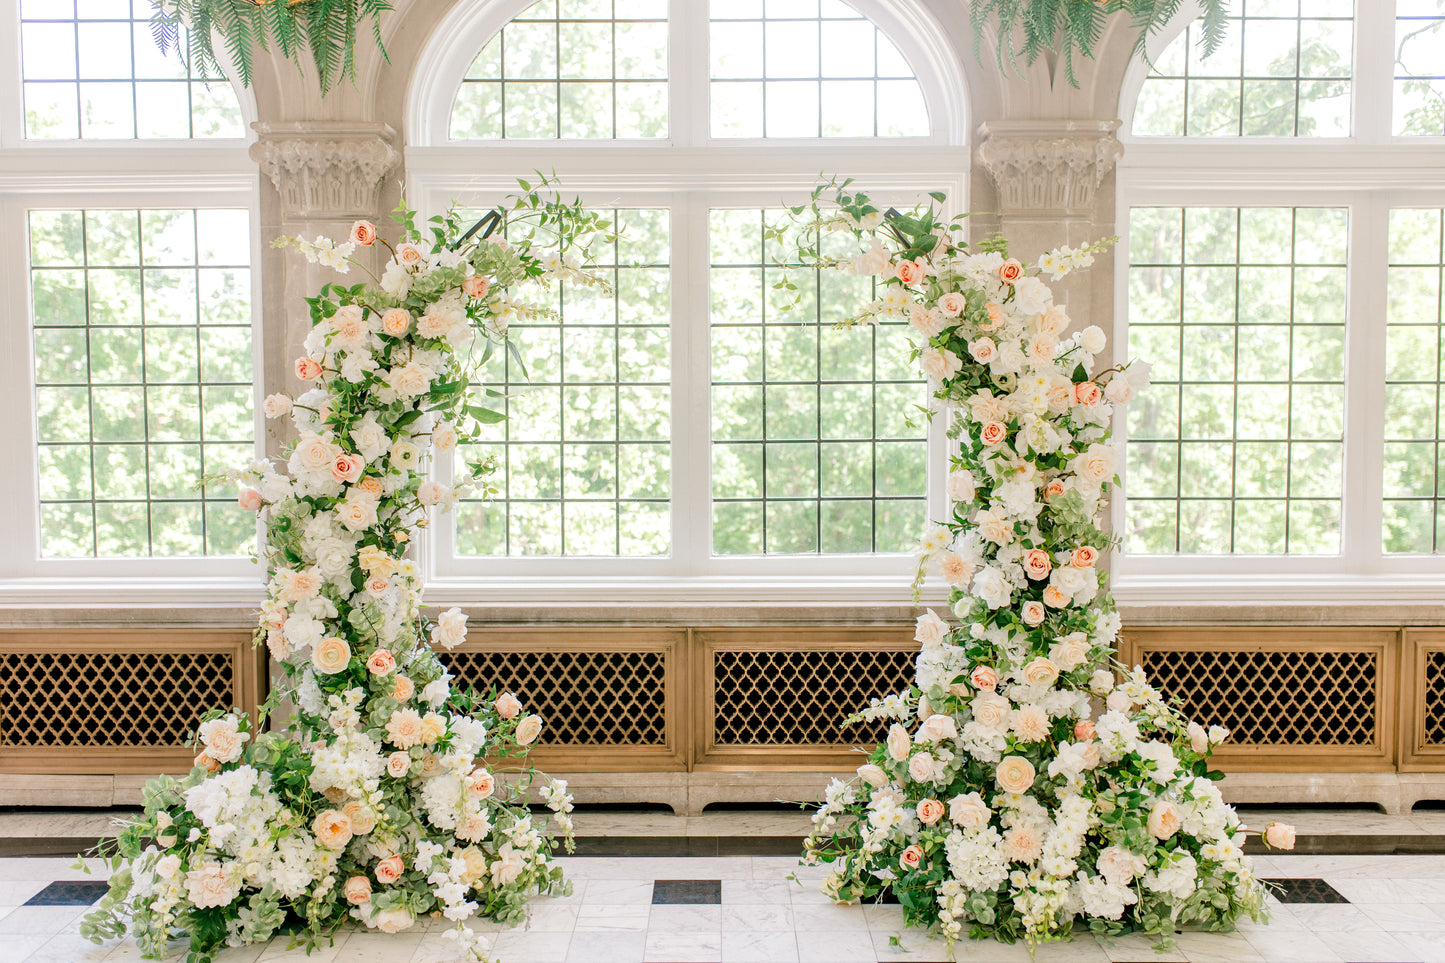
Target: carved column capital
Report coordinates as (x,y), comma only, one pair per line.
(326,170)
(1048,167)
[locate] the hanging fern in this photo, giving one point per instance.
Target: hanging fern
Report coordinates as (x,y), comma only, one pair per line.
(326,29)
(1072,28)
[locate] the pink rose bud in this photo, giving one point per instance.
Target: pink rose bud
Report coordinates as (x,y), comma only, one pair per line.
(250,500)
(1279,836)
(308,369)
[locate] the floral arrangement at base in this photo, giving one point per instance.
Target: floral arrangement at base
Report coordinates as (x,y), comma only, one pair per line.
(1024,789)
(389,795)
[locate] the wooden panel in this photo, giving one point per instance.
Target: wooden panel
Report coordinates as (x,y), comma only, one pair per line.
(611,700)
(117,700)
(773,697)
(1294,699)
(1422,702)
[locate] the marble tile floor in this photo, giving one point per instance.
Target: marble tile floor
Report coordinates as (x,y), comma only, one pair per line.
(1395,914)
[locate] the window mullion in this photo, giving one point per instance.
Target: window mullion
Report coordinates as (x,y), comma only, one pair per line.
(1374,70)
(691,429)
(1365,385)
(688,73)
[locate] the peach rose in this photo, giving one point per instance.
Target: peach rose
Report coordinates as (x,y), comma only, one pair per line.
(357,890)
(363,233)
(983,350)
(993,433)
(1041,671)
(381,662)
(207,886)
(990,709)
(332,829)
(968,812)
(331,655)
(1033,612)
(204,761)
(898,742)
(377,585)
(937,728)
(347,468)
(1084,557)
(909,272)
(396,322)
(1015,774)
(952,304)
(911,858)
(250,500)
(994,310)
(389,870)
(362,819)
(1278,836)
(1087,394)
(956,571)
(1037,563)
(1096,463)
(308,369)
(1084,730)
(1164,819)
(402,689)
(930,811)
(528,730)
(409,255)
(508,706)
(1010,271)
(1053,489)
(476,286)
(398,764)
(984,677)
(482,783)
(223,738)
(1055,598)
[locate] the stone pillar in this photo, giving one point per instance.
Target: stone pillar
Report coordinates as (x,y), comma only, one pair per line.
(325,174)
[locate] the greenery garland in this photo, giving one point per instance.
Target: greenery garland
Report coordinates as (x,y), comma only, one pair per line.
(328,28)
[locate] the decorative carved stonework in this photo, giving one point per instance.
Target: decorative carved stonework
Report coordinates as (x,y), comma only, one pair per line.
(327,170)
(1041,167)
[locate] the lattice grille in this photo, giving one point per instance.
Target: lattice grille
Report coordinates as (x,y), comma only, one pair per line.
(1435,698)
(799,698)
(83,699)
(1279,698)
(584,698)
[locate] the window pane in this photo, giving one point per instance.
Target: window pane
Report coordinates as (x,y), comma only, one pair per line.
(100,75)
(595,70)
(801,70)
(1414,492)
(817,446)
(1420,68)
(127,399)
(1238,447)
(1280,71)
(585,452)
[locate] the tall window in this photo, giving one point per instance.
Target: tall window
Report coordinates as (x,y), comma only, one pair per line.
(699,420)
(1288,293)
(137,303)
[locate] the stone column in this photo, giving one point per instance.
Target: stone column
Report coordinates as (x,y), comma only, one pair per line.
(325,175)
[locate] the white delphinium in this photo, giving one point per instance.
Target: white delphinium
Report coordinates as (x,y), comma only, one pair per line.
(1118,735)
(892,706)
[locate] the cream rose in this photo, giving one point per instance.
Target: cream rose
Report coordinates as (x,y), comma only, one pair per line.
(952,304)
(1092,339)
(1164,819)
(393,920)
(314,453)
(357,890)
(898,742)
(937,728)
(444,437)
(210,885)
(1033,612)
(409,255)
(930,630)
(277,405)
(1198,738)
(508,706)
(331,655)
(872,775)
(1101,683)
(969,811)
(398,764)
(990,709)
(1040,671)
(962,486)
(528,730)
(1096,463)
(1015,774)
(930,811)
(927,323)
(983,350)
(223,739)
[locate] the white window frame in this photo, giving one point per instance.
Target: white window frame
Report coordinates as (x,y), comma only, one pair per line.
(102,174)
(688,172)
(1367,173)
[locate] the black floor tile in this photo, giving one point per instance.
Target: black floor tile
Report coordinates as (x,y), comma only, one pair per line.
(70,893)
(686,891)
(1304,891)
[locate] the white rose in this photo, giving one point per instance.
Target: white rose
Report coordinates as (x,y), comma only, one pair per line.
(333,558)
(370,439)
(898,742)
(450,629)
(444,437)
(277,405)
(1101,682)
(872,775)
(930,630)
(962,486)
(1092,339)
(314,453)
(921,767)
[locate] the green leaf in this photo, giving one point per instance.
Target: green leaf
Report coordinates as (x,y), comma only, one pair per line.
(486,416)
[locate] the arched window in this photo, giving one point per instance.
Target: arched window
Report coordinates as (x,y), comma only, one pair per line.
(130,198)
(1283,272)
(695,423)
